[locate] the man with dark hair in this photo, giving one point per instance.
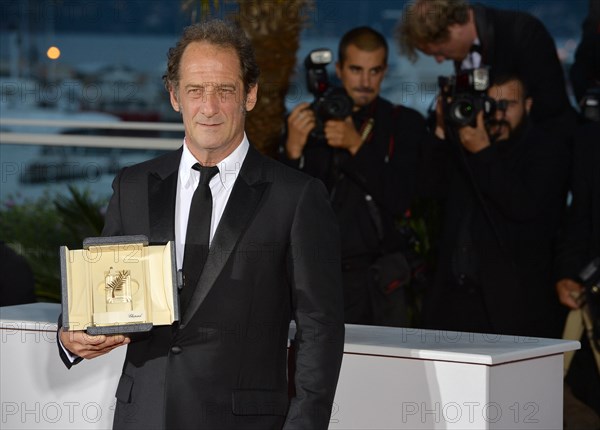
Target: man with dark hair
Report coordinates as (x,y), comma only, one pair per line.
(368,162)
(509,42)
(502,189)
(223,365)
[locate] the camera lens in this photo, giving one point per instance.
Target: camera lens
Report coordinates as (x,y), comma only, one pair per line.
(462,112)
(335,104)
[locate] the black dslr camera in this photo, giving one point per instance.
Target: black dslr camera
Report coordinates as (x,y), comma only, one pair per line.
(330,102)
(464,95)
(590,280)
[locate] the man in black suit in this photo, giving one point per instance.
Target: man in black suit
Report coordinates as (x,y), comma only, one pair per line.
(502,189)
(224,364)
(509,42)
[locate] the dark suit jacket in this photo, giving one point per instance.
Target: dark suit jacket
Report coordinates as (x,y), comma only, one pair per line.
(518,43)
(274,257)
(517,191)
(580,241)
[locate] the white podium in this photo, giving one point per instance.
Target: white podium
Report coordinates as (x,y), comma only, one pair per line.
(392,378)
(396,378)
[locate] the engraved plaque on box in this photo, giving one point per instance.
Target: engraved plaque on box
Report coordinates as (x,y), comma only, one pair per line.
(119,285)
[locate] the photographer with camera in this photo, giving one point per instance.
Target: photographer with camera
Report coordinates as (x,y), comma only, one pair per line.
(367,156)
(509,42)
(501,182)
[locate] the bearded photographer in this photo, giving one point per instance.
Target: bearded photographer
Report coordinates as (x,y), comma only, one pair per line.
(367,160)
(501,183)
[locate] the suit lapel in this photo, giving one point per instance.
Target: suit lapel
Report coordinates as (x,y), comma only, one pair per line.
(241,207)
(162,191)
(484,24)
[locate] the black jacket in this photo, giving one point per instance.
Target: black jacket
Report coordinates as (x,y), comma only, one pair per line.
(224,365)
(514,193)
(384,167)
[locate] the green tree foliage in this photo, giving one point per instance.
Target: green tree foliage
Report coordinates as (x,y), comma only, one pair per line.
(36,229)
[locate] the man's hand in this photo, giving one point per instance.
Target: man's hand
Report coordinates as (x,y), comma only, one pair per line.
(342,134)
(569,293)
(83,345)
(474,139)
(300,122)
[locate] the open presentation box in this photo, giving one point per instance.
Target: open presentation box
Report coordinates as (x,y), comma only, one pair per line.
(119,285)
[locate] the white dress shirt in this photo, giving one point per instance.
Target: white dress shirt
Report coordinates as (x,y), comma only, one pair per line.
(220,187)
(473,59)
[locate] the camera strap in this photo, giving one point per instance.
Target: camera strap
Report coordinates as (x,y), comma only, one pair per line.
(366,128)
(392,143)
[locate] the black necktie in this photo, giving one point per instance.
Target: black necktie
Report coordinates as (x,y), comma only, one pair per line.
(198,233)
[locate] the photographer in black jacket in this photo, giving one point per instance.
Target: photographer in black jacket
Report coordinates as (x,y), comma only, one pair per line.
(368,162)
(502,187)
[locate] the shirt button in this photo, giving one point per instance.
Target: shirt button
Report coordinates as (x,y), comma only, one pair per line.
(176,349)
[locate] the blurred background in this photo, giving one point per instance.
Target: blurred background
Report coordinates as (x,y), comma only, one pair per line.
(81,95)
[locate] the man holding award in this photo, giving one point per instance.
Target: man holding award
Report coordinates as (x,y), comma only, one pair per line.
(257,245)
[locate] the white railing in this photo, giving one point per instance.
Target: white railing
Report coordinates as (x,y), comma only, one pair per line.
(41,138)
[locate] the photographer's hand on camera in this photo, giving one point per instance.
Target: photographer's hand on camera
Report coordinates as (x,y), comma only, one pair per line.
(474,139)
(569,293)
(300,122)
(343,135)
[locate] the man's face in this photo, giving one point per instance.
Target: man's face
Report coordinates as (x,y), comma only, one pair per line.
(455,48)
(362,74)
(211,100)
(506,122)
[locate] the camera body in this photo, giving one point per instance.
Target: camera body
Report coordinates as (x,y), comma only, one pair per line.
(330,102)
(464,95)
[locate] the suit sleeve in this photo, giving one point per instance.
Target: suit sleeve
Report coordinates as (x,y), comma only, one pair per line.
(315,272)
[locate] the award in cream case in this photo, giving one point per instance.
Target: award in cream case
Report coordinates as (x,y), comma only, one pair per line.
(119,284)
